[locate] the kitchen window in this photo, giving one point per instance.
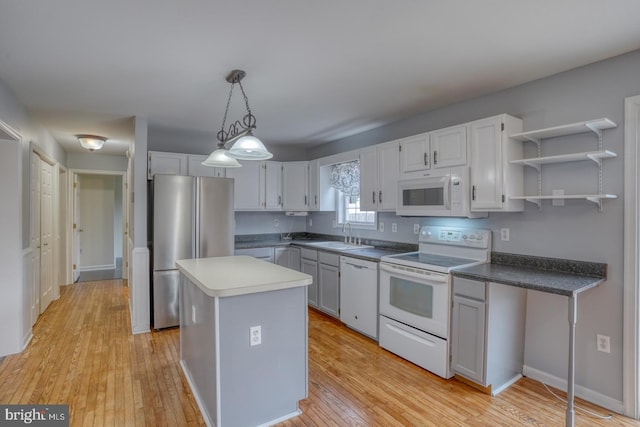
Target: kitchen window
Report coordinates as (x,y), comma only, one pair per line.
(345,177)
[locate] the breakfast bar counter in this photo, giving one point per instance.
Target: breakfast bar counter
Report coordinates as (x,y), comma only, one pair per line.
(243,338)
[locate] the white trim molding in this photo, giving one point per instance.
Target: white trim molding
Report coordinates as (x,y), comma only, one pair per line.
(582,392)
(631,306)
(139,291)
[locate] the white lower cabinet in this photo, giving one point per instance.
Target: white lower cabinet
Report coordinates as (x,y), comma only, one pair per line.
(359,295)
(329,283)
(487,332)
(309,265)
(287,256)
(265,254)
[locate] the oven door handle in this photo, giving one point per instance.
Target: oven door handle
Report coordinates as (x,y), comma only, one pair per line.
(407,272)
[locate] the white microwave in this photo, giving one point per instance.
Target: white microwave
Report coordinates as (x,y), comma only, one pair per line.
(440,192)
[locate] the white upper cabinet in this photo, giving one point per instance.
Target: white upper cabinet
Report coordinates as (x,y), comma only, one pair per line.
(322,196)
(159,162)
(415,153)
(368,182)
(249,185)
(294,186)
(449,147)
(438,149)
(196,168)
(379,177)
(494,180)
(273,185)
(313,181)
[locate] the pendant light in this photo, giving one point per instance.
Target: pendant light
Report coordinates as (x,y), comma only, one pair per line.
(244,145)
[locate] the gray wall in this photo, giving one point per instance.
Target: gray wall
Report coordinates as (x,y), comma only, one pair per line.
(190,142)
(575,231)
(263,222)
(94,161)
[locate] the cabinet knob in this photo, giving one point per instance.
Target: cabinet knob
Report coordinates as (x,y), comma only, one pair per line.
(380,196)
(473,192)
(435,157)
(374,197)
(426,159)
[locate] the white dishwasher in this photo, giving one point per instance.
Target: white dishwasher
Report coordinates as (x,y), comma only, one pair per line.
(359,295)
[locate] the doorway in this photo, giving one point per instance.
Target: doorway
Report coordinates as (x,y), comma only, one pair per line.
(631,337)
(98,226)
(45,237)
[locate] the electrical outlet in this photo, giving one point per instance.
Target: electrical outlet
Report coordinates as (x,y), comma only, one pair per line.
(276,223)
(604,343)
(416,228)
(193,314)
(310,222)
(381,227)
(394,227)
(504,234)
(255,335)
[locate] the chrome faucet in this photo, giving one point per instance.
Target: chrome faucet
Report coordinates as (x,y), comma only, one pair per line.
(344,226)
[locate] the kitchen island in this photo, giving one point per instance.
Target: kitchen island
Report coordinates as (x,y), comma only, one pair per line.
(243,339)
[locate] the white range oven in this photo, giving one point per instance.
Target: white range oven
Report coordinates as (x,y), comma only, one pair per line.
(415,294)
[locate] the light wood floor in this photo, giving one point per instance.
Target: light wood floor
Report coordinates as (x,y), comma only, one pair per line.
(84,355)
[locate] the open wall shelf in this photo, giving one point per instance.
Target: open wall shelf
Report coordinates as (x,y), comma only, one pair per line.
(537,136)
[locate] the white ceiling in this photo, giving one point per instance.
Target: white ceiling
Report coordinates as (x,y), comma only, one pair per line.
(316,70)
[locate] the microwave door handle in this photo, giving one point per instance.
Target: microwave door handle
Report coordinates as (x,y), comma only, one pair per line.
(447,192)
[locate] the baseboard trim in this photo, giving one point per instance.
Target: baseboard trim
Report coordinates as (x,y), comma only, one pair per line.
(580,391)
(98,267)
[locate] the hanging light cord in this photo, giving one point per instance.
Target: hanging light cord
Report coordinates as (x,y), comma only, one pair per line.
(248,121)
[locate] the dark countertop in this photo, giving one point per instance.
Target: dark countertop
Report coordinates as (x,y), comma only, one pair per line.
(561,277)
(379,249)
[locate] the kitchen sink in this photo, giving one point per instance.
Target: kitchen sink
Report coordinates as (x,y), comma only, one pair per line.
(338,246)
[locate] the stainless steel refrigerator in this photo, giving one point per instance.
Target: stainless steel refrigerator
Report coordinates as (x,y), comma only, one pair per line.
(192,218)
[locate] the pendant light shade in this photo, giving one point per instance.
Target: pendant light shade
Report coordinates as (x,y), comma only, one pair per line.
(220,159)
(244,145)
(249,147)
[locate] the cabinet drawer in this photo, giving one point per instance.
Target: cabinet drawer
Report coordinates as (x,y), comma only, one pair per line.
(309,254)
(327,258)
(469,288)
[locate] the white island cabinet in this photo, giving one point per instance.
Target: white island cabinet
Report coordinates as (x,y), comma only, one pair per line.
(243,339)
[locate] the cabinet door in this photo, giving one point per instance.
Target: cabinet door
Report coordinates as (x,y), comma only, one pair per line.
(329,289)
(310,267)
(249,188)
(368,187)
(486,164)
(265,254)
(313,178)
(449,147)
(166,164)
(414,153)
(359,295)
(273,185)
(387,161)
(287,257)
(196,168)
(468,338)
(294,185)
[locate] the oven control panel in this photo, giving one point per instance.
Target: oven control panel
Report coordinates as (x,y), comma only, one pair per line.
(471,237)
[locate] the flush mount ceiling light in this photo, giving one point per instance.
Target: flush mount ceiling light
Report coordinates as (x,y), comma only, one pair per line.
(91,142)
(245,145)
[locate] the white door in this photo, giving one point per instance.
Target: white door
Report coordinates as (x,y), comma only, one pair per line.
(387,176)
(46,235)
(35,237)
(76,228)
(449,147)
(294,186)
